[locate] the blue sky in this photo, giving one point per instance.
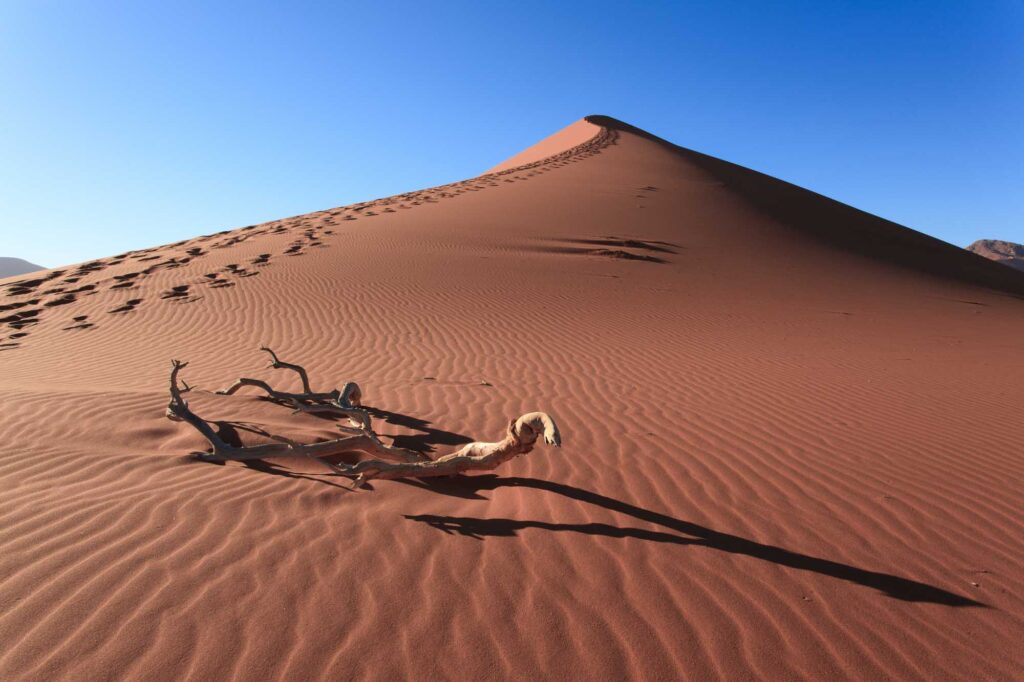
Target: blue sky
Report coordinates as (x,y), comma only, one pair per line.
(130,124)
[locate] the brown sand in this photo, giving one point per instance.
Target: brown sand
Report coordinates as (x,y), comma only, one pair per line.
(791,440)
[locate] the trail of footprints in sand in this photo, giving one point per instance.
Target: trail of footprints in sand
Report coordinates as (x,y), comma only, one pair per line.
(28,301)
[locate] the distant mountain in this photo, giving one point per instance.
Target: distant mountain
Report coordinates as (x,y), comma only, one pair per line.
(9,267)
(1006,253)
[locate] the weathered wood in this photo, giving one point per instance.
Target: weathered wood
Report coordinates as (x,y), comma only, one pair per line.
(520,437)
(363,440)
(298,369)
(345,402)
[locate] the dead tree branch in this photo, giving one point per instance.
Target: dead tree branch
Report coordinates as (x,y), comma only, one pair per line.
(298,369)
(346,402)
(362,440)
(520,438)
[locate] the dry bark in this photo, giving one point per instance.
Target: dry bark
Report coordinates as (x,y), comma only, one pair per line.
(346,402)
(388,461)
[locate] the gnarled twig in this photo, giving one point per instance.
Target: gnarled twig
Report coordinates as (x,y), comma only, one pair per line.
(298,369)
(363,440)
(345,402)
(520,438)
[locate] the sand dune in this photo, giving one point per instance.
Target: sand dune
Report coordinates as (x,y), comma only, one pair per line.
(790,439)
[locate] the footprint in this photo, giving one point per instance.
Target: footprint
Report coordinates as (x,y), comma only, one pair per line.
(90,267)
(128,306)
(80,323)
(214,282)
(20,320)
(63,300)
(169,264)
(85,288)
(24,287)
(125,281)
(19,304)
(180,291)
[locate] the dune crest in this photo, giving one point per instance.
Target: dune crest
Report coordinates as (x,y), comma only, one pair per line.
(787,449)
(573,135)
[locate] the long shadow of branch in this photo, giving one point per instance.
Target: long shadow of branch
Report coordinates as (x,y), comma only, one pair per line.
(423,442)
(469,486)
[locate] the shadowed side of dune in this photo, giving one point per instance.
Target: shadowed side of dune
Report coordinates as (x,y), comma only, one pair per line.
(840,225)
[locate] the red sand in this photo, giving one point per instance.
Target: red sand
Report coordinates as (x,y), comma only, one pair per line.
(791,441)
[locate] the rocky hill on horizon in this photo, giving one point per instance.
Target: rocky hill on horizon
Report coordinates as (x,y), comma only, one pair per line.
(1007,253)
(11,267)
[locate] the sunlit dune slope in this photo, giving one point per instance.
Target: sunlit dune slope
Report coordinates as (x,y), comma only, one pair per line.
(789,439)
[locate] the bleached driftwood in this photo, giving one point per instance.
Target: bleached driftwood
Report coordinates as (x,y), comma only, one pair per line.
(346,402)
(520,438)
(360,440)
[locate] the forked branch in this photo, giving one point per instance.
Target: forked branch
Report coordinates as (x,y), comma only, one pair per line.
(388,461)
(298,369)
(345,402)
(360,440)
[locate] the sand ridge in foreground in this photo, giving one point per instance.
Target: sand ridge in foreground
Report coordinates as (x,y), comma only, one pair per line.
(789,439)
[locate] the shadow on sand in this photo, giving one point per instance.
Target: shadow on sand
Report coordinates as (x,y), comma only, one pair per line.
(422,442)
(682,533)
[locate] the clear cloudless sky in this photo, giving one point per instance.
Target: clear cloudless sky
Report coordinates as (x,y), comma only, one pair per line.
(131,124)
